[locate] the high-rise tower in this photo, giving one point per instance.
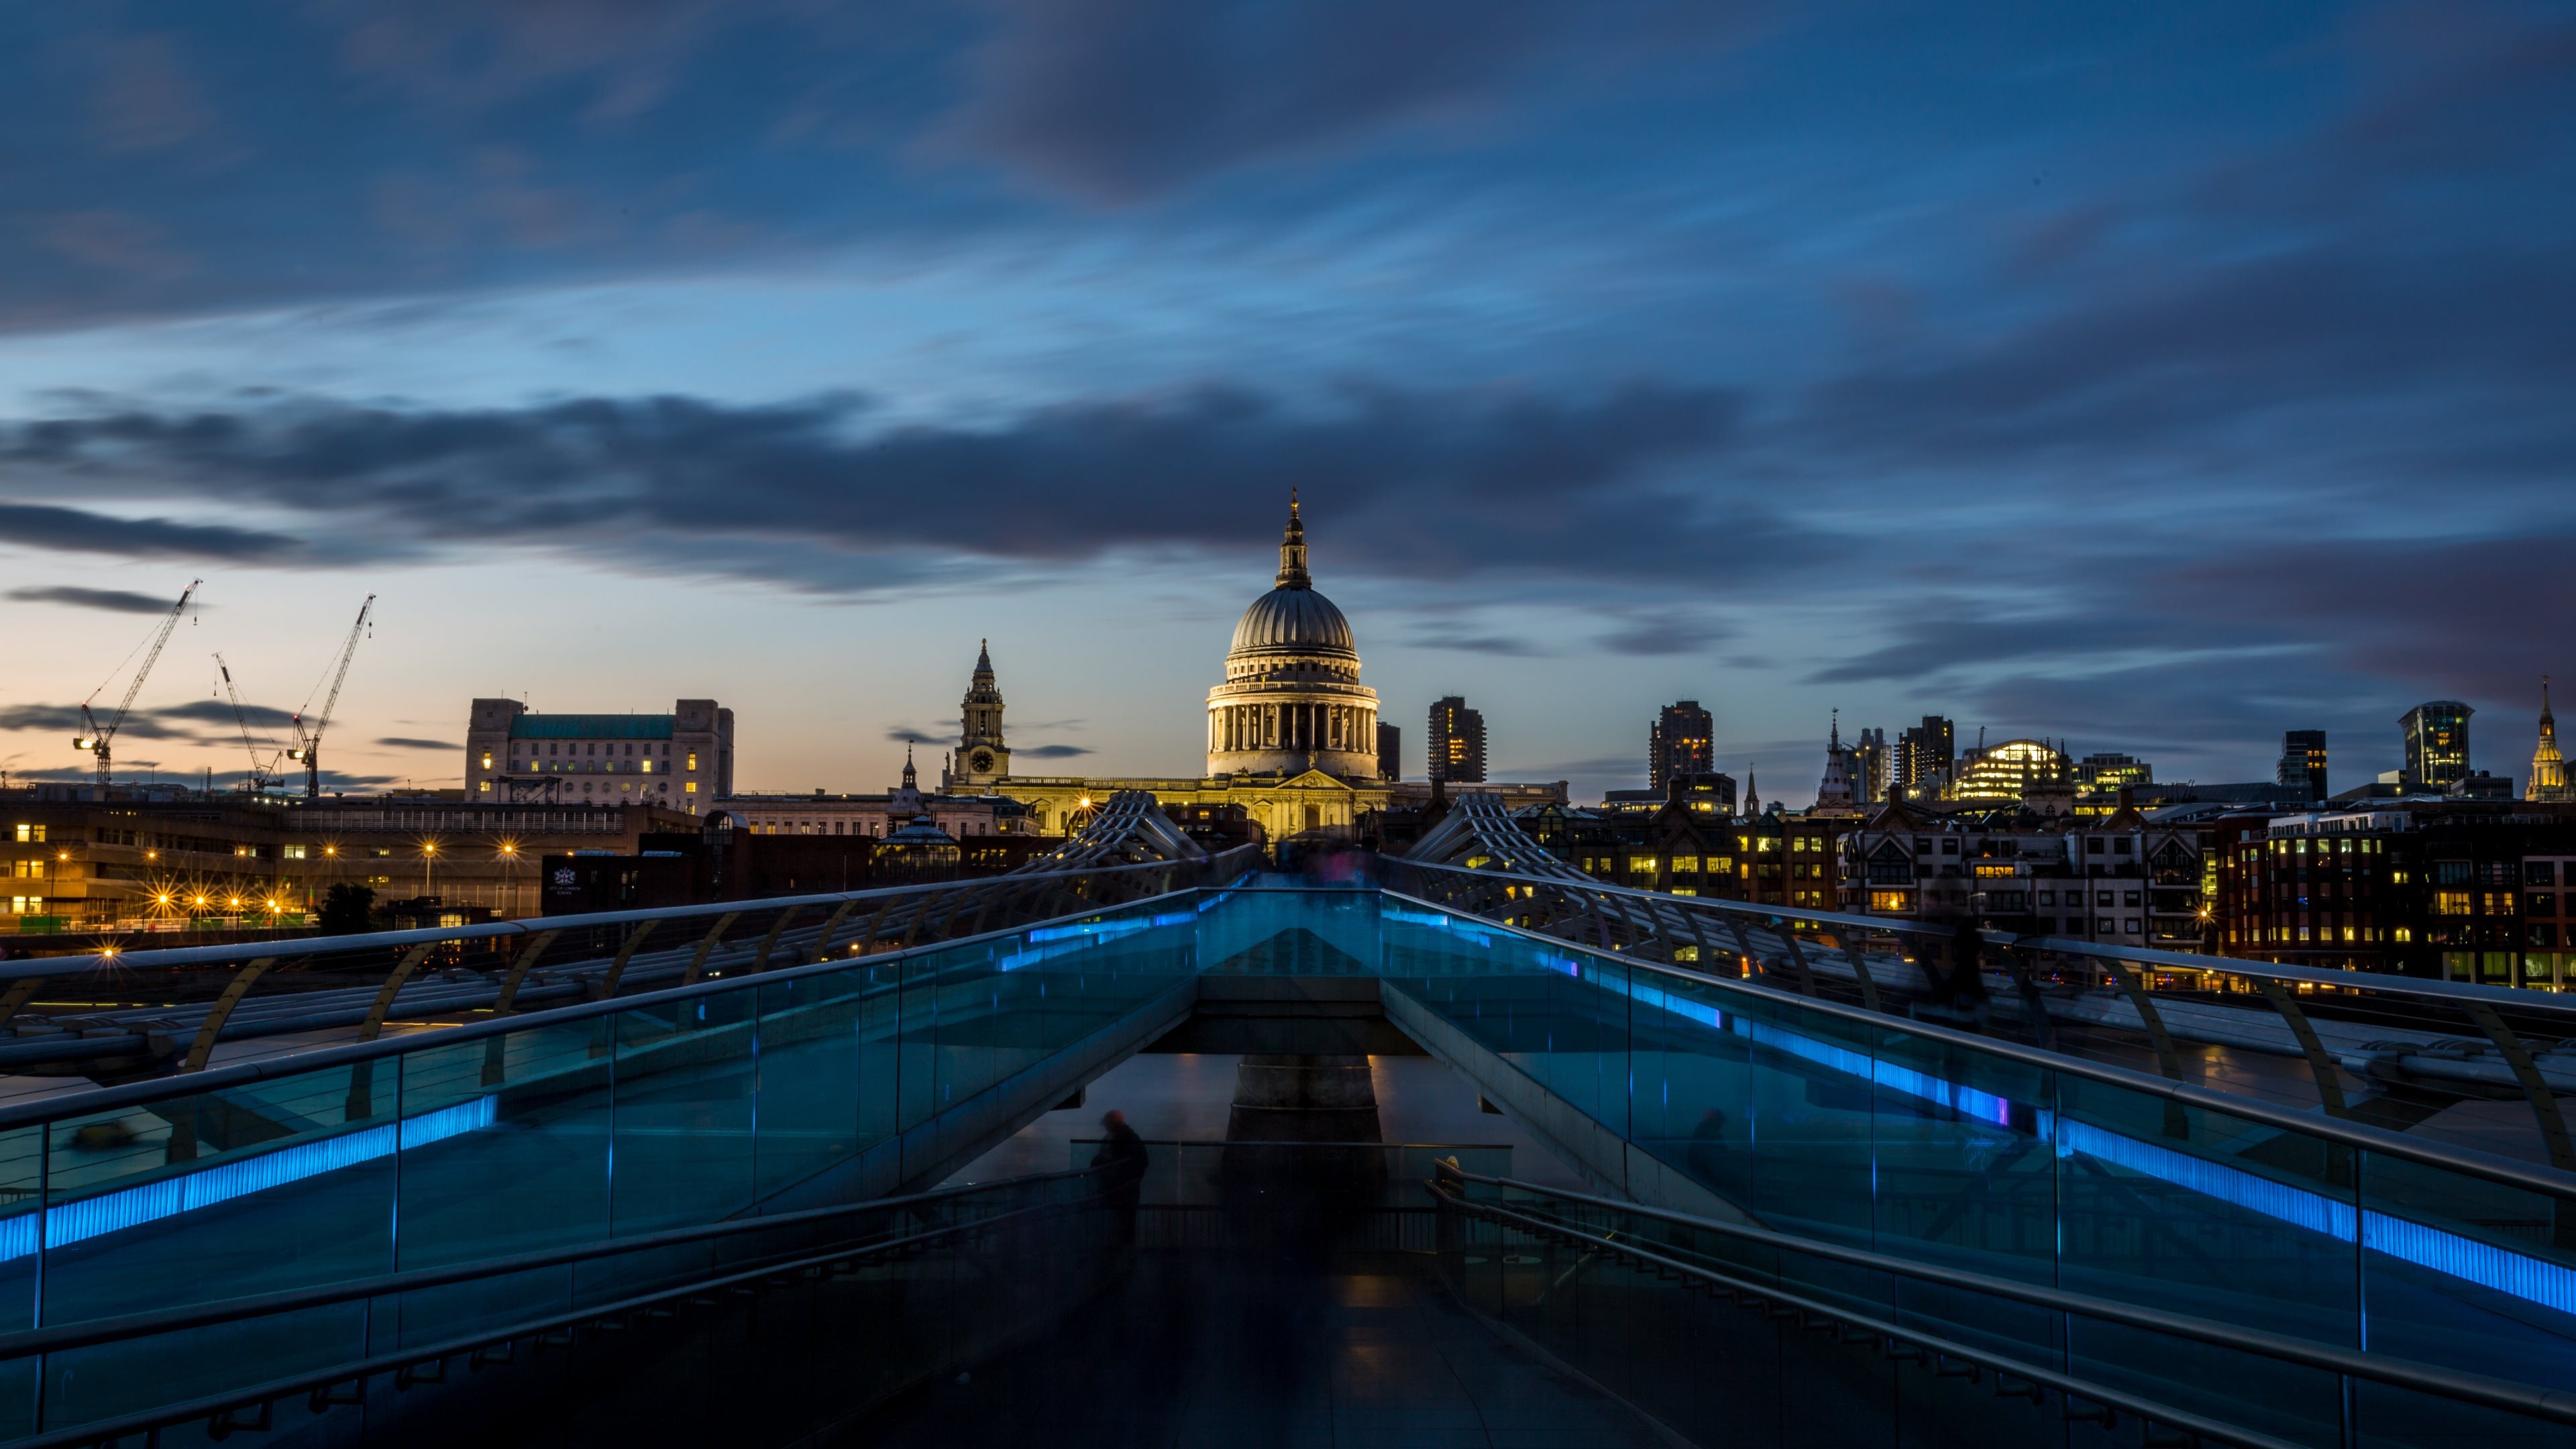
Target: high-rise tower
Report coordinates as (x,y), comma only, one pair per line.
(982,757)
(1679,743)
(1457,741)
(2437,744)
(2303,762)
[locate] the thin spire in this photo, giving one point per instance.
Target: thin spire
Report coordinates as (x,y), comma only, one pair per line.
(1292,550)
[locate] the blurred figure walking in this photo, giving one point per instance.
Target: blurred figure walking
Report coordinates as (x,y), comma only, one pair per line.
(1120,1163)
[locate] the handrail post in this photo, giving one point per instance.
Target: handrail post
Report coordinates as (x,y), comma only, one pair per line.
(20,992)
(2535,1088)
(832,926)
(1797,954)
(1860,970)
(707,946)
(760,962)
(2322,1066)
(606,986)
(213,1025)
(2167,1062)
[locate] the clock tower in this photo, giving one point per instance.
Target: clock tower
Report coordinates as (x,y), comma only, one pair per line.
(982,758)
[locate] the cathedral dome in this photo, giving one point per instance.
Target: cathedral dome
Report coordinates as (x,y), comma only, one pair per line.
(1292,618)
(1293,621)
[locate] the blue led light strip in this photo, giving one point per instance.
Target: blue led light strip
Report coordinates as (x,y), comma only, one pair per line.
(133,1207)
(2469,1260)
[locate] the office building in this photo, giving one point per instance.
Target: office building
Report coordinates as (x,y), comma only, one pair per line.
(516,755)
(2103,773)
(2437,744)
(2452,890)
(1925,757)
(1457,742)
(2011,770)
(1680,742)
(1870,766)
(1390,752)
(2303,762)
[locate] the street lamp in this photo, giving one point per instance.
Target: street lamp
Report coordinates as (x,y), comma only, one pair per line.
(428,864)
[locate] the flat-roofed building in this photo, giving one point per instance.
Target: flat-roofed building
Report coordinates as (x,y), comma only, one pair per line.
(683,759)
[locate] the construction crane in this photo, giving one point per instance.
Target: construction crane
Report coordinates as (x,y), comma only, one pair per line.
(308,748)
(98,739)
(263,770)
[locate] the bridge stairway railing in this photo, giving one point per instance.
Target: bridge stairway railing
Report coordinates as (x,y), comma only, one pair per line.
(2362,1046)
(581,1125)
(78,1013)
(1732,1334)
(767,1330)
(1735,1099)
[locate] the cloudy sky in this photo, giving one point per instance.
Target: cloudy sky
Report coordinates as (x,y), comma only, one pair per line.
(2157,377)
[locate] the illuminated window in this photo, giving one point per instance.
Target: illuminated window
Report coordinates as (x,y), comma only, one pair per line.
(296,852)
(2451,903)
(31,835)
(648,767)
(1685,865)
(691,788)
(693,759)
(486,787)
(1896,901)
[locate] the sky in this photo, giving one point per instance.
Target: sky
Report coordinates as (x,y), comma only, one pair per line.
(2153,378)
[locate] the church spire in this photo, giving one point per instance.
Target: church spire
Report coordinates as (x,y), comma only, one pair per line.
(1292,550)
(984,661)
(2548,766)
(910,780)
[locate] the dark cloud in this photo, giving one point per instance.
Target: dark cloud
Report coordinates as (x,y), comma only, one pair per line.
(1656,635)
(906,735)
(404,742)
(43,526)
(1423,484)
(1053,752)
(220,712)
(65,719)
(1469,641)
(1122,99)
(114,601)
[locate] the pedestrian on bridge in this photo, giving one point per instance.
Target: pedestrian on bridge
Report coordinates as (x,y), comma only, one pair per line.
(1120,1163)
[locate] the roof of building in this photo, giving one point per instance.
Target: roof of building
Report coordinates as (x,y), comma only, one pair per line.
(591,727)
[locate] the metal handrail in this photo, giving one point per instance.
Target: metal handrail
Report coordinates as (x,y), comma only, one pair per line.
(287,1300)
(2177,960)
(2553,1404)
(2465,1160)
(1883,1332)
(319,1381)
(530,926)
(297,1063)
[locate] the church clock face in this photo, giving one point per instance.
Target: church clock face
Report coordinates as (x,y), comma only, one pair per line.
(983,761)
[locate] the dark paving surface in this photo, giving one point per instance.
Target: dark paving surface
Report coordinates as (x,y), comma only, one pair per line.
(1279,1350)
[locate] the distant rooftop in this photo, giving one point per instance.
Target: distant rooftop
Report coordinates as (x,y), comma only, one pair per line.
(591,727)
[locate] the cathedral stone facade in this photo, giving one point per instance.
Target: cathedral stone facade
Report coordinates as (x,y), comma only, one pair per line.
(1291,732)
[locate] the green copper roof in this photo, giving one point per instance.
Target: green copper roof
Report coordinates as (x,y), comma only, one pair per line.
(591,727)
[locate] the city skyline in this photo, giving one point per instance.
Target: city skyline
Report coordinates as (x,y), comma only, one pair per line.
(1785,361)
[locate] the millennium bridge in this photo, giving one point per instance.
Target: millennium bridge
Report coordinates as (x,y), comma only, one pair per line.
(709,1176)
